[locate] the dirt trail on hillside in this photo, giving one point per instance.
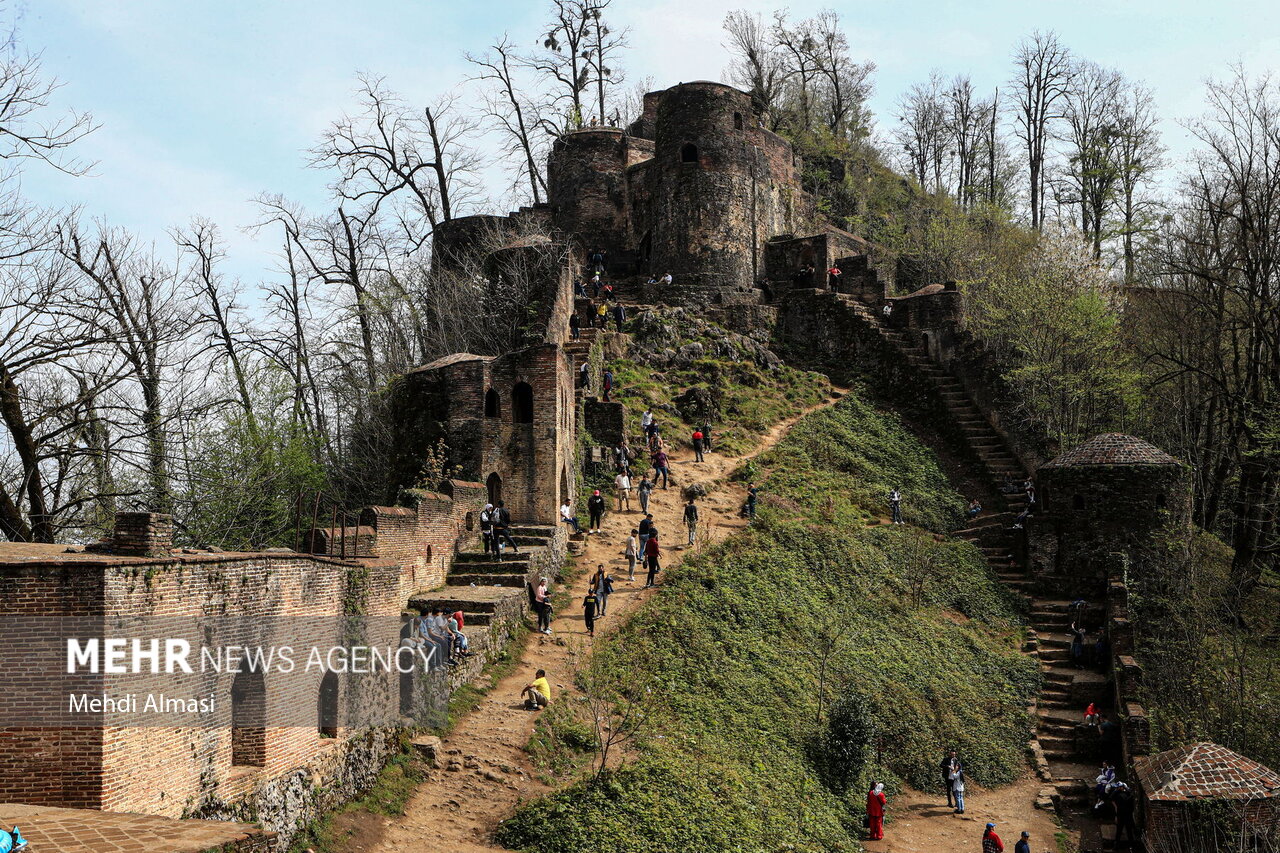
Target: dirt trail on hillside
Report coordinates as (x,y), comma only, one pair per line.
(922,823)
(458,810)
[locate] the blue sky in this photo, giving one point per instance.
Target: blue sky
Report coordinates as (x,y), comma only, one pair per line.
(203,105)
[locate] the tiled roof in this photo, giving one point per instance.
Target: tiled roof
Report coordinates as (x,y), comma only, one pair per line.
(1113,448)
(1205,770)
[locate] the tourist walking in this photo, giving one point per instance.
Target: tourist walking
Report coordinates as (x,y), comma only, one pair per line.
(502,530)
(589,602)
(991,842)
(632,552)
(1024,843)
(1123,797)
(575,327)
(607,382)
(622,483)
(595,511)
(951,764)
(602,313)
(646,527)
(619,315)
(875,812)
(644,491)
(706,436)
(651,555)
(584,375)
(646,421)
(542,603)
(486,530)
(604,588)
(749,508)
(660,463)
(895,505)
(697,445)
(957,790)
(691,519)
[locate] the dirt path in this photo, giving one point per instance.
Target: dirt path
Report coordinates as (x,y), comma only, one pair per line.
(458,810)
(922,823)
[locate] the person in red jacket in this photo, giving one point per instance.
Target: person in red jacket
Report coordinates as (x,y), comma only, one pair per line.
(991,842)
(875,812)
(697,445)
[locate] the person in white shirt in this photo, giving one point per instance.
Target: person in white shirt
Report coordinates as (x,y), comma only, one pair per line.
(666,279)
(623,484)
(568,516)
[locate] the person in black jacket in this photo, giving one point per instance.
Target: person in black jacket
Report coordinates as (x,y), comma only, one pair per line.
(501,531)
(1122,795)
(950,764)
(595,508)
(691,519)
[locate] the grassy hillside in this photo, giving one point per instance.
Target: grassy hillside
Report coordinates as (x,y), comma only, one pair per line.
(737,668)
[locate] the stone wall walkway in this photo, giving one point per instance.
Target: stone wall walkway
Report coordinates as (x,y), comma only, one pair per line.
(52,830)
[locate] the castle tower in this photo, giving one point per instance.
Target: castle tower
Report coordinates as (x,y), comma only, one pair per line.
(719,186)
(1111,494)
(586,183)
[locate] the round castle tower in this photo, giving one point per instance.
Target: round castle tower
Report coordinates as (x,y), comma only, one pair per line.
(1111,494)
(586,181)
(713,188)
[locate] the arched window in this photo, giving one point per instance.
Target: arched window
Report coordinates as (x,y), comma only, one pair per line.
(492,407)
(1077,502)
(1160,501)
(737,121)
(494,485)
(327,705)
(248,720)
(522,403)
(689,153)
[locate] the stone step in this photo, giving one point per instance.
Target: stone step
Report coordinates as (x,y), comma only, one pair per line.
(488,580)
(481,557)
(492,567)
(546,531)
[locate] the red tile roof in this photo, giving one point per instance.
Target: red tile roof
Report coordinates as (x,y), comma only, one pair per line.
(1205,770)
(1113,448)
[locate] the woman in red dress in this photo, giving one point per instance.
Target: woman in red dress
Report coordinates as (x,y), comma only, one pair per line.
(875,812)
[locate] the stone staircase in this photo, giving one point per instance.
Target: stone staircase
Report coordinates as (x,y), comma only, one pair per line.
(485,589)
(1064,692)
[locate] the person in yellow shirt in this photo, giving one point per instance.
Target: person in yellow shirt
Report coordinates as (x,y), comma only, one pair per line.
(538,692)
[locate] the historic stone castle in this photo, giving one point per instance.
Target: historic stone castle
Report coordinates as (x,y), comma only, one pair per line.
(697,188)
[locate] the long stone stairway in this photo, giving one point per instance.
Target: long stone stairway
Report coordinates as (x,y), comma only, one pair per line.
(1064,690)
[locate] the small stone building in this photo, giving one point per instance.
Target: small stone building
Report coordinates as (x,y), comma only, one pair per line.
(1205,797)
(1110,494)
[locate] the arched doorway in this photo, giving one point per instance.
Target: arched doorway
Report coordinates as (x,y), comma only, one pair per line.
(327,706)
(492,405)
(248,720)
(494,484)
(522,403)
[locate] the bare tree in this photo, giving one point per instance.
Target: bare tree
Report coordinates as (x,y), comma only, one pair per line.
(25,95)
(924,133)
(1139,156)
(603,47)
(563,58)
(846,84)
(1043,74)
(967,126)
(145,317)
(1092,135)
(388,151)
(509,110)
(756,65)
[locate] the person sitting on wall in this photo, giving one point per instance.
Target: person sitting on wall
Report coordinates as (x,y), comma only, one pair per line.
(568,516)
(665,280)
(1091,715)
(579,290)
(538,692)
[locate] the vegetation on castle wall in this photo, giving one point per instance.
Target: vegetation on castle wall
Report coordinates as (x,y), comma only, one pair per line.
(763,639)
